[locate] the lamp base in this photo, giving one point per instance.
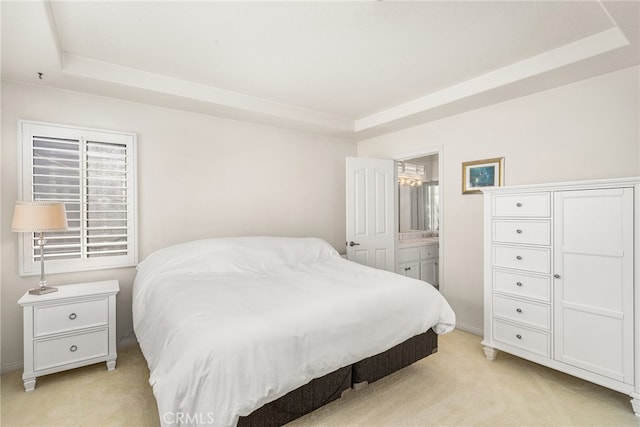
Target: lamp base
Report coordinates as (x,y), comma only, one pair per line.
(41,290)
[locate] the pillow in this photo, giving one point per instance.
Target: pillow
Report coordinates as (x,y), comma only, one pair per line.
(237,254)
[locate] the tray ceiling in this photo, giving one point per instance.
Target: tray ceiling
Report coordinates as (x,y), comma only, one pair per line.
(349,69)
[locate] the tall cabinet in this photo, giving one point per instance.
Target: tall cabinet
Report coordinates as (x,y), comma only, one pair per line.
(560,278)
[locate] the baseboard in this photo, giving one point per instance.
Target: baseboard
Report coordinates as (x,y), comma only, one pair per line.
(129,340)
(470,329)
(11,367)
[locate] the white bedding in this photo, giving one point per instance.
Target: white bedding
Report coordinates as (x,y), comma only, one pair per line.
(227,325)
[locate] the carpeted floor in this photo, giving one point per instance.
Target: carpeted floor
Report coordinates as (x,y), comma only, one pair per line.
(455,387)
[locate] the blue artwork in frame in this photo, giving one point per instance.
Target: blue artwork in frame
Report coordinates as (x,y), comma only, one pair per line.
(481,174)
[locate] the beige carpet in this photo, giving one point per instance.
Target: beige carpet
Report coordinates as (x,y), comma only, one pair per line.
(455,387)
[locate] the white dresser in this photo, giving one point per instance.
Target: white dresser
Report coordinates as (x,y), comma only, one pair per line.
(73,327)
(559,285)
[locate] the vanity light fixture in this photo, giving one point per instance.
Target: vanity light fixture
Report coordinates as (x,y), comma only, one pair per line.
(411,174)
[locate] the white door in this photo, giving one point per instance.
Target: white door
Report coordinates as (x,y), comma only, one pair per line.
(371,212)
(593,281)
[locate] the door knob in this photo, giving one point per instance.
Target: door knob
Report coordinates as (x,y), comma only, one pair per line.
(354,244)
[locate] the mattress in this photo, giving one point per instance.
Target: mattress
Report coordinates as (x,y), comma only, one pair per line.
(227,325)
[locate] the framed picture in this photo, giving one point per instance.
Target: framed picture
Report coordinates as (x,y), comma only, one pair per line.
(481,174)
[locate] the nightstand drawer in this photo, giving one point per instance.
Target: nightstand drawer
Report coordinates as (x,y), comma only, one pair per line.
(527,232)
(524,338)
(70,349)
(531,259)
(537,315)
(532,204)
(53,319)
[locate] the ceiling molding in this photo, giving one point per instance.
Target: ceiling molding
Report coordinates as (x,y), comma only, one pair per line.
(585,48)
(112,73)
(588,47)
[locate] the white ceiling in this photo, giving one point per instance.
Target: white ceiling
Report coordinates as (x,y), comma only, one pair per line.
(350,69)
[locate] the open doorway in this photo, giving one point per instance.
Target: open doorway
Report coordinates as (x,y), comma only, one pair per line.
(420,220)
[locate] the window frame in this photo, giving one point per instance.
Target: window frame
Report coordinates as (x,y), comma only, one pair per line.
(26,130)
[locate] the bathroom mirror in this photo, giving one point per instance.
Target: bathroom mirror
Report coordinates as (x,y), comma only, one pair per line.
(418,195)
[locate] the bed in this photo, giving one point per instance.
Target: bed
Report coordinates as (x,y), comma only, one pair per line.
(260,330)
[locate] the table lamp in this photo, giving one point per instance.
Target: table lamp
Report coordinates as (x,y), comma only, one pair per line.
(38,217)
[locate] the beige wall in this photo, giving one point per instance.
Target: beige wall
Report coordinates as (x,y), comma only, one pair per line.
(198,176)
(581,131)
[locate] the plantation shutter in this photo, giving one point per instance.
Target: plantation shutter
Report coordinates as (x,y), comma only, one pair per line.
(56,177)
(93,173)
(105,201)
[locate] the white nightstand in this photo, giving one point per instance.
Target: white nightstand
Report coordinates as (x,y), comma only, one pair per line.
(73,327)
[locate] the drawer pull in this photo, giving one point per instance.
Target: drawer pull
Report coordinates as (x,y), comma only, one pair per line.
(519,336)
(519,310)
(519,204)
(407,268)
(557,276)
(72,316)
(73,348)
(518,257)
(518,231)
(518,283)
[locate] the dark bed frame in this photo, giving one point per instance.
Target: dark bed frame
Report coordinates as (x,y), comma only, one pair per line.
(328,388)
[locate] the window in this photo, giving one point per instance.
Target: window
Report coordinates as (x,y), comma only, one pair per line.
(93,173)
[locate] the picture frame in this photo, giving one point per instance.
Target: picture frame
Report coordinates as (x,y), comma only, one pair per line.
(482,174)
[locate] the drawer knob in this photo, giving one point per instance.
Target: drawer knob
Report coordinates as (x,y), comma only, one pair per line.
(518,231)
(518,257)
(407,268)
(519,310)
(519,336)
(72,316)
(73,348)
(519,204)
(518,283)
(557,276)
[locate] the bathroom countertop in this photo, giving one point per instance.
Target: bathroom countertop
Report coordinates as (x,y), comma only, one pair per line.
(421,241)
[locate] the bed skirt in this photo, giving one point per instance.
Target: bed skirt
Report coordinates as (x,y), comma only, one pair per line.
(328,388)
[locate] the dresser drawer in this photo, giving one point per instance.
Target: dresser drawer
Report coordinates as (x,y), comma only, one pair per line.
(522,285)
(52,319)
(530,204)
(49,353)
(529,259)
(532,314)
(527,232)
(534,341)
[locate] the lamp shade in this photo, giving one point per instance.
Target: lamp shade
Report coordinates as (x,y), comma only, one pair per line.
(39,216)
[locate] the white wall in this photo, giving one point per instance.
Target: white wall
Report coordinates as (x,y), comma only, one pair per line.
(585,130)
(198,176)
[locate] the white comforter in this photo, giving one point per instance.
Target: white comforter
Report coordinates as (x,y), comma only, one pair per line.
(227,325)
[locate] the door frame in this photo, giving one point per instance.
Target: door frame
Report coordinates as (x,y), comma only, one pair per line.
(439,150)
